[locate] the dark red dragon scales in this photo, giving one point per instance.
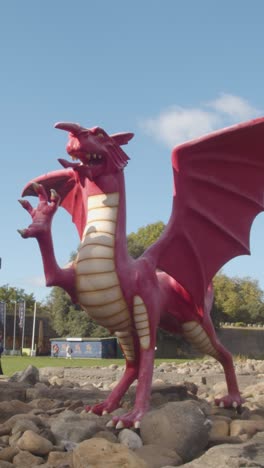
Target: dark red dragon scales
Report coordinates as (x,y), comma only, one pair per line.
(218,191)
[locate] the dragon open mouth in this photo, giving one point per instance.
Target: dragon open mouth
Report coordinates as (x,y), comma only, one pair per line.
(90,159)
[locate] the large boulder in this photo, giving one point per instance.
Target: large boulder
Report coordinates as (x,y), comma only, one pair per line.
(181,426)
(28,376)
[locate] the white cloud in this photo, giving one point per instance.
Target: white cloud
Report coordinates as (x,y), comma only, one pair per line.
(179,124)
(234,106)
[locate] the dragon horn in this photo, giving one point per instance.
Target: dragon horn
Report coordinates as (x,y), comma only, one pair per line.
(70,127)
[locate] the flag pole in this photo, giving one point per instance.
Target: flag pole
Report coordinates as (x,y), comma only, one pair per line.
(23,328)
(14,330)
(4,343)
(33,330)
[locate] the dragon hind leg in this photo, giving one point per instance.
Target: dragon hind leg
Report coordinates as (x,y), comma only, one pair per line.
(127,344)
(204,339)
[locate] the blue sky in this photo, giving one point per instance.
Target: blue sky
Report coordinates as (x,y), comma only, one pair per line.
(167,71)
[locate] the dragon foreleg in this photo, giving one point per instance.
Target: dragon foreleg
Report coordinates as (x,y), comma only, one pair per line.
(40,229)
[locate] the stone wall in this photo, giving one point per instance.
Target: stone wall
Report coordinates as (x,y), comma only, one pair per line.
(248,342)
(244,341)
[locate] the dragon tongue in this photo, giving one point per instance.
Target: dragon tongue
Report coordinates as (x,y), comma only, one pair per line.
(67,164)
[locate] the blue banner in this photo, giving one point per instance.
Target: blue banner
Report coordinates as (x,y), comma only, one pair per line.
(21,313)
(85,349)
(2,312)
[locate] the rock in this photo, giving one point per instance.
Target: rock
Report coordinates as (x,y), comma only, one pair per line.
(55,380)
(28,376)
(157,456)
(238,427)
(246,454)
(98,453)
(22,425)
(220,440)
(70,426)
(157,382)
(26,459)
(6,464)
(113,367)
(34,443)
(253,390)
(46,373)
(41,391)
(12,391)
(4,440)
(46,404)
(8,453)
(68,446)
(75,404)
(60,459)
(219,389)
(220,427)
(130,439)
(181,426)
(47,434)
(178,392)
(157,399)
(106,435)
(11,408)
(14,438)
(6,428)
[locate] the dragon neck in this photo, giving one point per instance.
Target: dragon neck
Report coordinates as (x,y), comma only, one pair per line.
(106,186)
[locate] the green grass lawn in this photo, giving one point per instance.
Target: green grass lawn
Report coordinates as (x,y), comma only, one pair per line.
(12,364)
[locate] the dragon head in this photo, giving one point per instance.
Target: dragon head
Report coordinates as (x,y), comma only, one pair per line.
(98,153)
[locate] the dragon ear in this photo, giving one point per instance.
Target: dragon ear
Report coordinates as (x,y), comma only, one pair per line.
(122,138)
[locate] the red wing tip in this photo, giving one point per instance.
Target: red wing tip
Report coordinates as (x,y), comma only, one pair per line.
(219,132)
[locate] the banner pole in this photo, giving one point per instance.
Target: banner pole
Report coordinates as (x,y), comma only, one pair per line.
(33,329)
(23,328)
(14,330)
(4,341)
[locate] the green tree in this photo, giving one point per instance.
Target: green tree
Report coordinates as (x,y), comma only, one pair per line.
(10,295)
(238,299)
(70,320)
(138,242)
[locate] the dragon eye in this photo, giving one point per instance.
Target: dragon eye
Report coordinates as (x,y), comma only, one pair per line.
(100,135)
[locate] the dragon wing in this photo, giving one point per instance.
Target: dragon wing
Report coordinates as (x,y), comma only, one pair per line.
(72,190)
(218,191)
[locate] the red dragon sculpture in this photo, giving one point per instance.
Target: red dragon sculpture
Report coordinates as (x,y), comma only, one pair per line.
(218,191)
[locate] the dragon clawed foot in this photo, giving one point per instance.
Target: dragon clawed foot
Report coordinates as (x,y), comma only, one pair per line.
(102,408)
(234,401)
(130,419)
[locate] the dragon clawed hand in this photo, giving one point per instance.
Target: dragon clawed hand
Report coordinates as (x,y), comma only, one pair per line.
(41,215)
